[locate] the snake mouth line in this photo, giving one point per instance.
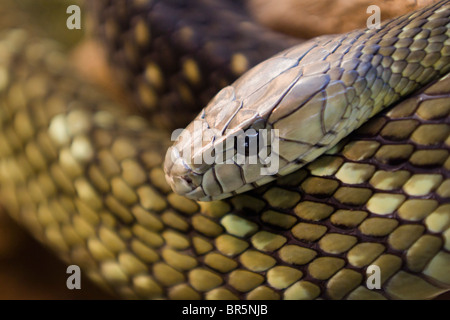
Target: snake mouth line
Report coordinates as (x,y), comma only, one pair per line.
(193,167)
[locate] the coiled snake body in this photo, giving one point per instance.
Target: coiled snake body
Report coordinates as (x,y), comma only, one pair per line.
(86,177)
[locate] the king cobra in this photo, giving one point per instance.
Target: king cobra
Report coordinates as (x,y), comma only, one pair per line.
(354,197)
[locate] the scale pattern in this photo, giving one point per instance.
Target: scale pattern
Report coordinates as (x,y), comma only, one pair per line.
(85,177)
(87,181)
(311,96)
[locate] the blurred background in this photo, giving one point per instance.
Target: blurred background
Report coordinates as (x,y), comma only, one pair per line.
(27,269)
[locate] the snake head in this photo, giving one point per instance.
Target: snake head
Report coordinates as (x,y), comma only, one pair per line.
(213,158)
(306,99)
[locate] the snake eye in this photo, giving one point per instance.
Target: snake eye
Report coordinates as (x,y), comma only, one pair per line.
(247,144)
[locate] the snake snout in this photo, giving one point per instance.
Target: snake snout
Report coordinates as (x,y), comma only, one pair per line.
(179,175)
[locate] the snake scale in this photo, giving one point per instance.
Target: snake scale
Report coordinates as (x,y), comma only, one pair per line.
(86,178)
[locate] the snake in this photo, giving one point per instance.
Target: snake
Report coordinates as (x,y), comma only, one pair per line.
(364,129)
